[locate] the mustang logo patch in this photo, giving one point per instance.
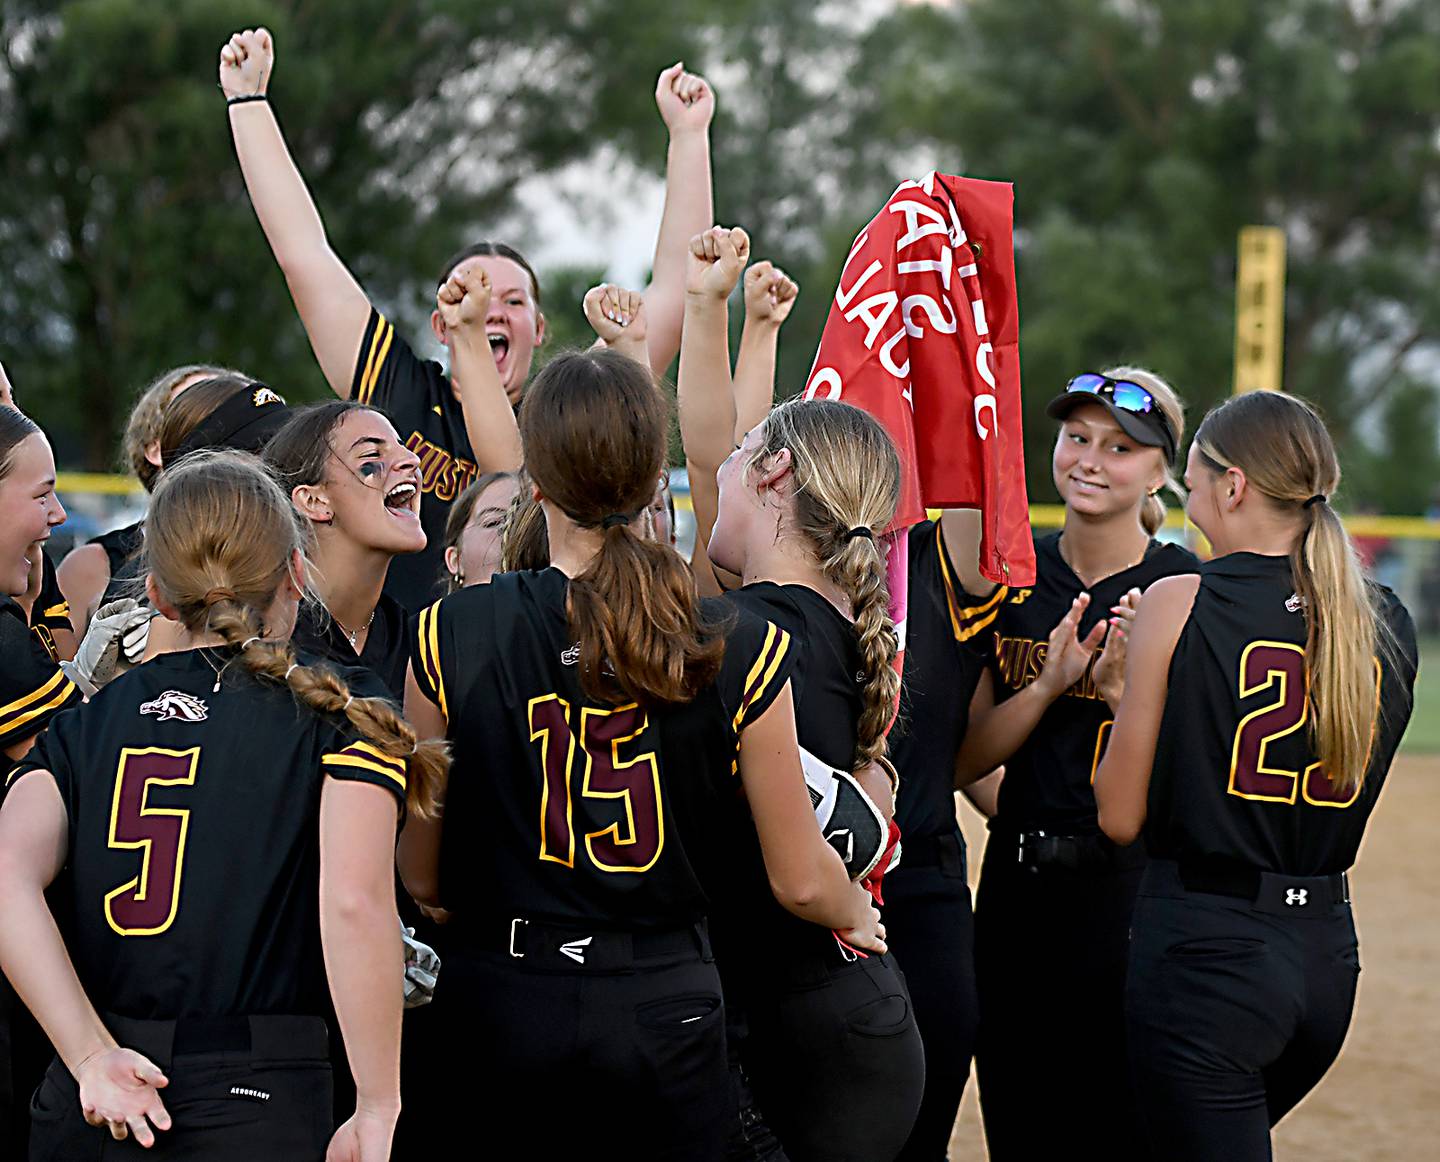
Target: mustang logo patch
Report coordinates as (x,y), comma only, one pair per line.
(177,704)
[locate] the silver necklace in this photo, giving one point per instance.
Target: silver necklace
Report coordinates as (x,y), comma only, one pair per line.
(352,634)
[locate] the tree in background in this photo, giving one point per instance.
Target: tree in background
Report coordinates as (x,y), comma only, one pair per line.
(1140,136)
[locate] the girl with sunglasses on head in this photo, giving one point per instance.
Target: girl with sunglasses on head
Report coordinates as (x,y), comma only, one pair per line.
(358,349)
(1053,908)
(1263,703)
(186,998)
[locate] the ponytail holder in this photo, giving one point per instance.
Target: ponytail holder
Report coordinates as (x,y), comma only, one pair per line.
(858,531)
(291,669)
(249,641)
(1314,500)
(349,699)
(615,518)
(217,594)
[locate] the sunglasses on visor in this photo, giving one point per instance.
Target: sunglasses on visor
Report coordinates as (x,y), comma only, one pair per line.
(1130,397)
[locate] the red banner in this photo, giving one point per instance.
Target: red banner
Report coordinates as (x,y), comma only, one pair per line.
(924,335)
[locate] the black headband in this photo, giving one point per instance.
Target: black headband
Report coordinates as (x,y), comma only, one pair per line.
(244,422)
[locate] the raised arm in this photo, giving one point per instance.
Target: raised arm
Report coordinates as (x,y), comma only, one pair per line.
(686,104)
(619,319)
(1122,784)
(706,401)
(118,1087)
(961,528)
(333,308)
(806,873)
(769,295)
(463,302)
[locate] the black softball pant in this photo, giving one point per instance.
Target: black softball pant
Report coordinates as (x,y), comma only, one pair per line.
(542,1058)
(1051,946)
(258,1089)
(1236,1008)
(931,933)
(834,1057)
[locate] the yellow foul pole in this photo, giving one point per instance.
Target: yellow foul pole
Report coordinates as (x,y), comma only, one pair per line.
(1260,309)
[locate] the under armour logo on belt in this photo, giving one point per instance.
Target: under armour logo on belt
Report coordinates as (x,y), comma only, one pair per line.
(1299,896)
(575,950)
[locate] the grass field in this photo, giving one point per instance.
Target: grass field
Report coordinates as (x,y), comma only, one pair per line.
(1423,737)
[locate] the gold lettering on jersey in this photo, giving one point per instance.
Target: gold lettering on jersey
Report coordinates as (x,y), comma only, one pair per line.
(1020,660)
(442,475)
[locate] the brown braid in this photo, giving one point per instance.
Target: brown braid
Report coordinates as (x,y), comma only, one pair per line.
(219,582)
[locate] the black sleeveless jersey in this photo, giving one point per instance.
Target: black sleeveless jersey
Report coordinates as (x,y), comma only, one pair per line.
(122,549)
(825,683)
(387,645)
(1236,777)
(33,689)
(194,845)
(1049,781)
(416,394)
(565,809)
(945,631)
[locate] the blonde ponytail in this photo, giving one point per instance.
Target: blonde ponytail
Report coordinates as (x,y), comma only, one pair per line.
(219,539)
(1286,453)
(847,484)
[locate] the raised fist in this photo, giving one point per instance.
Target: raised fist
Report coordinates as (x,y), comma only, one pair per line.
(685,100)
(463,300)
(769,293)
(246,62)
(716,259)
(615,313)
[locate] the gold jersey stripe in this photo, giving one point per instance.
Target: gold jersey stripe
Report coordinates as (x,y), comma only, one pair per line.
(777,645)
(67,691)
(350,760)
(34,696)
(374,752)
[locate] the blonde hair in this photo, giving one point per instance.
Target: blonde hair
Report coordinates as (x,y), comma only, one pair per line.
(1282,446)
(219,540)
(1152,509)
(148,415)
(847,478)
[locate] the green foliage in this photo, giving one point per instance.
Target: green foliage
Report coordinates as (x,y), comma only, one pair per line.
(1141,137)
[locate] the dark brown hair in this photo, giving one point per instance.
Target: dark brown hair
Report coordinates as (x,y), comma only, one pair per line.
(299,453)
(15,428)
(524,539)
(594,432)
(492,250)
(219,540)
(192,407)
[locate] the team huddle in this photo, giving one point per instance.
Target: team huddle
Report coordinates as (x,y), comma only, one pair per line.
(399,756)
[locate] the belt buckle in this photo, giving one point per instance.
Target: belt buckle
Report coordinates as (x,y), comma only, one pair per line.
(514,930)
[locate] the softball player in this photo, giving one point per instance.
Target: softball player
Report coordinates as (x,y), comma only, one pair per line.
(193,971)
(1264,700)
(598,712)
(1053,910)
(358,490)
(831,1049)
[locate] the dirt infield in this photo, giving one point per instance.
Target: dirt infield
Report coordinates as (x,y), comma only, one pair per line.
(1381,1101)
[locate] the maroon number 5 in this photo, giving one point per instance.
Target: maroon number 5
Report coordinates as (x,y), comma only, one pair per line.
(633,842)
(146,905)
(1278,666)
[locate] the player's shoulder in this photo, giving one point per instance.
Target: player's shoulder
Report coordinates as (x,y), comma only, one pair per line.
(1167,559)
(388,372)
(767,601)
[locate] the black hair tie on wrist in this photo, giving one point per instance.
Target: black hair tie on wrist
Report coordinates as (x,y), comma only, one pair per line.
(615,518)
(1314,500)
(858,531)
(242,99)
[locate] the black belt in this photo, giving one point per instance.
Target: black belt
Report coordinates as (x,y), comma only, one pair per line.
(552,947)
(947,852)
(266,1037)
(1040,850)
(1272,892)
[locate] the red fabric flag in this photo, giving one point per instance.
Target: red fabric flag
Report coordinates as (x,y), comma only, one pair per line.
(924,335)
